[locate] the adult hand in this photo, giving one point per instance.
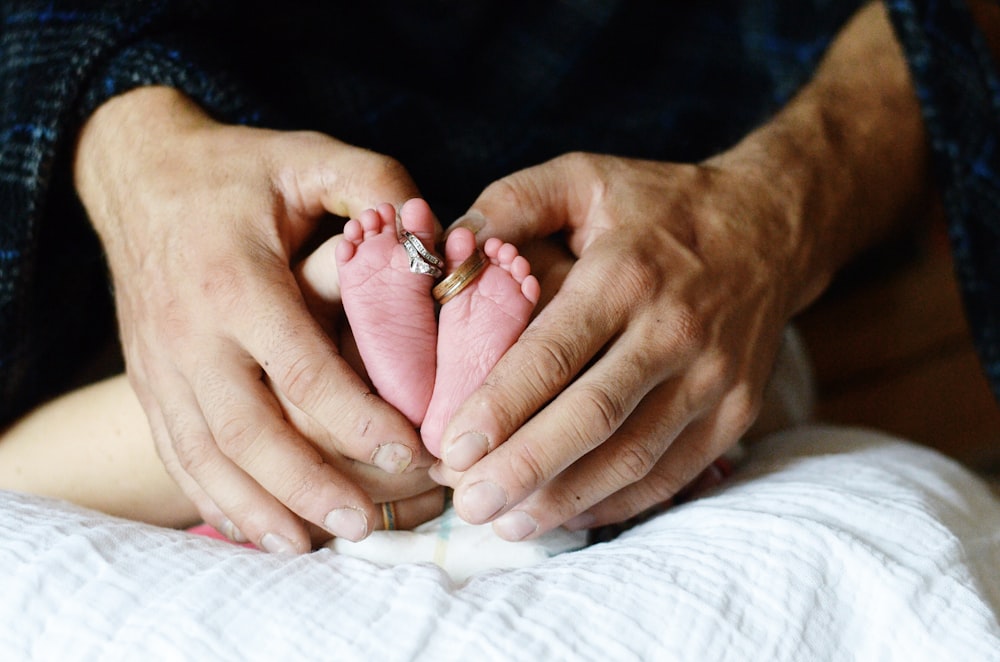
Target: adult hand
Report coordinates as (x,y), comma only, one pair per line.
(200,221)
(651,359)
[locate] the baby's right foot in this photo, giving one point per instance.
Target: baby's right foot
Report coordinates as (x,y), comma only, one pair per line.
(390,308)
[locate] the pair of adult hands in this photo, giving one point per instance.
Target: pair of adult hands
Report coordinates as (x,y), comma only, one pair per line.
(648,363)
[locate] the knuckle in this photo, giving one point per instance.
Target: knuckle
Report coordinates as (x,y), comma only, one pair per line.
(638,278)
(237,436)
(688,331)
(300,377)
(588,167)
(662,483)
(626,287)
(297,488)
(601,411)
(742,408)
(548,365)
(709,379)
(527,468)
(223,284)
(580,162)
(495,402)
(554,362)
(507,193)
(634,463)
(388,173)
(192,451)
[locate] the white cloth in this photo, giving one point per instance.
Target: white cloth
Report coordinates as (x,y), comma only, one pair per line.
(829,544)
(460,548)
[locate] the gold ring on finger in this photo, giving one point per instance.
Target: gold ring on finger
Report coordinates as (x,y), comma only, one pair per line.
(389,515)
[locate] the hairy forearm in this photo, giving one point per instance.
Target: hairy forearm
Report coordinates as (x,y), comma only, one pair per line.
(846,160)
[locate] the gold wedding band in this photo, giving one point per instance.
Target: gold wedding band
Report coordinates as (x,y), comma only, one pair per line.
(389,515)
(459,279)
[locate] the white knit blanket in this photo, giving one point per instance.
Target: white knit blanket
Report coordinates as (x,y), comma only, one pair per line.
(830,544)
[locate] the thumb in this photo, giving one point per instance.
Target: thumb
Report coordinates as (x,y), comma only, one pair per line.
(345,180)
(528,204)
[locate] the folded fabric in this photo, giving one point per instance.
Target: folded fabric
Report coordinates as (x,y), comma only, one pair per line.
(460,548)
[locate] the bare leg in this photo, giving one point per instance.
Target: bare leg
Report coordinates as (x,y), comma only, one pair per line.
(477,327)
(93,447)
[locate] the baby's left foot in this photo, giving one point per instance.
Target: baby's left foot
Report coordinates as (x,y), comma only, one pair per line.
(477,326)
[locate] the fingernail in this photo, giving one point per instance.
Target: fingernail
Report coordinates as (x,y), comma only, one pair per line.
(581,521)
(515,525)
(276,544)
(228,529)
(472,219)
(466,450)
(349,523)
(482,500)
(392,458)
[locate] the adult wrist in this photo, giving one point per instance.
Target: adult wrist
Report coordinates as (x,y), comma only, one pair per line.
(846,161)
(126,137)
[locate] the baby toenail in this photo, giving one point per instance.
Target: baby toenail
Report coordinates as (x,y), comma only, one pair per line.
(392,458)
(466,450)
(515,525)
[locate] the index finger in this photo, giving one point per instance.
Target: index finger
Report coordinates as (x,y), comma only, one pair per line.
(303,364)
(567,334)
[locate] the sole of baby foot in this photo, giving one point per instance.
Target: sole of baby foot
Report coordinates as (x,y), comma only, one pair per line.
(477,326)
(389,307)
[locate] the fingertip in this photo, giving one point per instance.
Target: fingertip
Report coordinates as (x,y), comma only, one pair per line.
(480,502)
(275,543)
(516,525)
(392,457)
(472,220)
(465,450)
(443,476)
(348,522)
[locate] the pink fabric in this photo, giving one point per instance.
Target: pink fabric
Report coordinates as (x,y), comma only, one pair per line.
(209,531)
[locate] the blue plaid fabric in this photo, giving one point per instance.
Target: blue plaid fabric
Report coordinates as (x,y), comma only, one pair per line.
(959,89)
(460,92)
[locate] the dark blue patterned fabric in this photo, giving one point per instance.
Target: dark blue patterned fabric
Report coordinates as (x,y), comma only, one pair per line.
(459,92)
(959,90)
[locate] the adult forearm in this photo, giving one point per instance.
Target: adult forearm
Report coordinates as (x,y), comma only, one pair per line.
(847,159)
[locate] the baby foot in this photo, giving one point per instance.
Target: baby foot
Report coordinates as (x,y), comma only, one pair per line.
(477,326)
(390,308)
